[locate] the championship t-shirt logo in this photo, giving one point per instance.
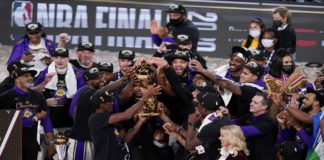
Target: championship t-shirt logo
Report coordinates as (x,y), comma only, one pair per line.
(117,136)
(27,113)
(60,92)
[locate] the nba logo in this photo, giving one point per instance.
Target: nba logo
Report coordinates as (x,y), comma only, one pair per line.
(21,13)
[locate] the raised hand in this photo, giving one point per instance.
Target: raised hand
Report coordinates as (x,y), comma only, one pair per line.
(297,72)
(168,127)
(27,57)
(193,118)
(282,117)
(277,99)
(162,32)
(153,27)
(160,62)
(224,110)
(64,37)
(196,65)
(49,76)
(150,91)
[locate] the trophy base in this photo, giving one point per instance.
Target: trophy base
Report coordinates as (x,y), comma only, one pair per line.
(148,114)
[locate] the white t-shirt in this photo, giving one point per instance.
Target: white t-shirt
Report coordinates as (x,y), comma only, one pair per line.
(39,52)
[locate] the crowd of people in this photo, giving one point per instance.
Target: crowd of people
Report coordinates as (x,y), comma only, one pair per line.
(260,106)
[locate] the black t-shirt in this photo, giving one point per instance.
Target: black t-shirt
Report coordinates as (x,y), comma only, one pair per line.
(187,28)
(6,84)
(183,94)
(29,103)
(106,138)
(59,113)
(247,93)
(286,38)
(240,104)
(209,135)
(263,145)
(77,65)
(80,129)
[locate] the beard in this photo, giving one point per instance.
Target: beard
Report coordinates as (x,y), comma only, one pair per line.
(84,62)
(307,108)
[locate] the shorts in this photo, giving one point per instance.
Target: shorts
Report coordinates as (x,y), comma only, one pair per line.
(80,150)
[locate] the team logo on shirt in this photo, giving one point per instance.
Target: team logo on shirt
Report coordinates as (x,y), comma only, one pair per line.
(27,113)
(60,93)
(117,136)
(21,13)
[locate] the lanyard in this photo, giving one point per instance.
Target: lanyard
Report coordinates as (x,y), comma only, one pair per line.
(272,53)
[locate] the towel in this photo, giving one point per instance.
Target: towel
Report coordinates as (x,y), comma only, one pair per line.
(70,80)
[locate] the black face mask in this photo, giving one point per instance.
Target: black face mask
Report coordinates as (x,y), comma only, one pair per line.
(277,23)
(176,22)
(288,69)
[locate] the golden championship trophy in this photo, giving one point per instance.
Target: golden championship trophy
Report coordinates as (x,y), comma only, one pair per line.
(61,145)
(147,75)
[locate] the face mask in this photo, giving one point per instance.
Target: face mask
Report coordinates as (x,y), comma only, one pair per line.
(277,23)
(254,33)
(288,69)
(29,84)
(267,43)
(61,70)
(176,22)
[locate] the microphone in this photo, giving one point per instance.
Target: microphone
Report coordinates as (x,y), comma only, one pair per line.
(199,150)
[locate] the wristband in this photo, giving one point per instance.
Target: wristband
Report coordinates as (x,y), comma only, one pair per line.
(35,119)
(178,129)
(50,141)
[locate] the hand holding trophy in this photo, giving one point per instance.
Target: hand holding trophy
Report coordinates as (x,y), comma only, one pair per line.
(146,73)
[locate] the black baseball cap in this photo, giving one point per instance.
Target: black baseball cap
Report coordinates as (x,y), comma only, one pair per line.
(319,95)
(180,54)
(101,97)
(106,66)
(260,56)
(63,52)
(126,54)
(85,46)
(314,64)
(174,8)
(206,88)
(255,69)
(21,71)
(289,149)
(183,39)
(92,73)
(34,27)
(242,53)
(209,100)
(16,65)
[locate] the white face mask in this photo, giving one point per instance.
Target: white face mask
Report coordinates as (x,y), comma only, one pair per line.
(29,84)
(255,33)
(61,70)
(267,43)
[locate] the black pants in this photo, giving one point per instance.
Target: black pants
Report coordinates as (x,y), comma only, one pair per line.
(30,153)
